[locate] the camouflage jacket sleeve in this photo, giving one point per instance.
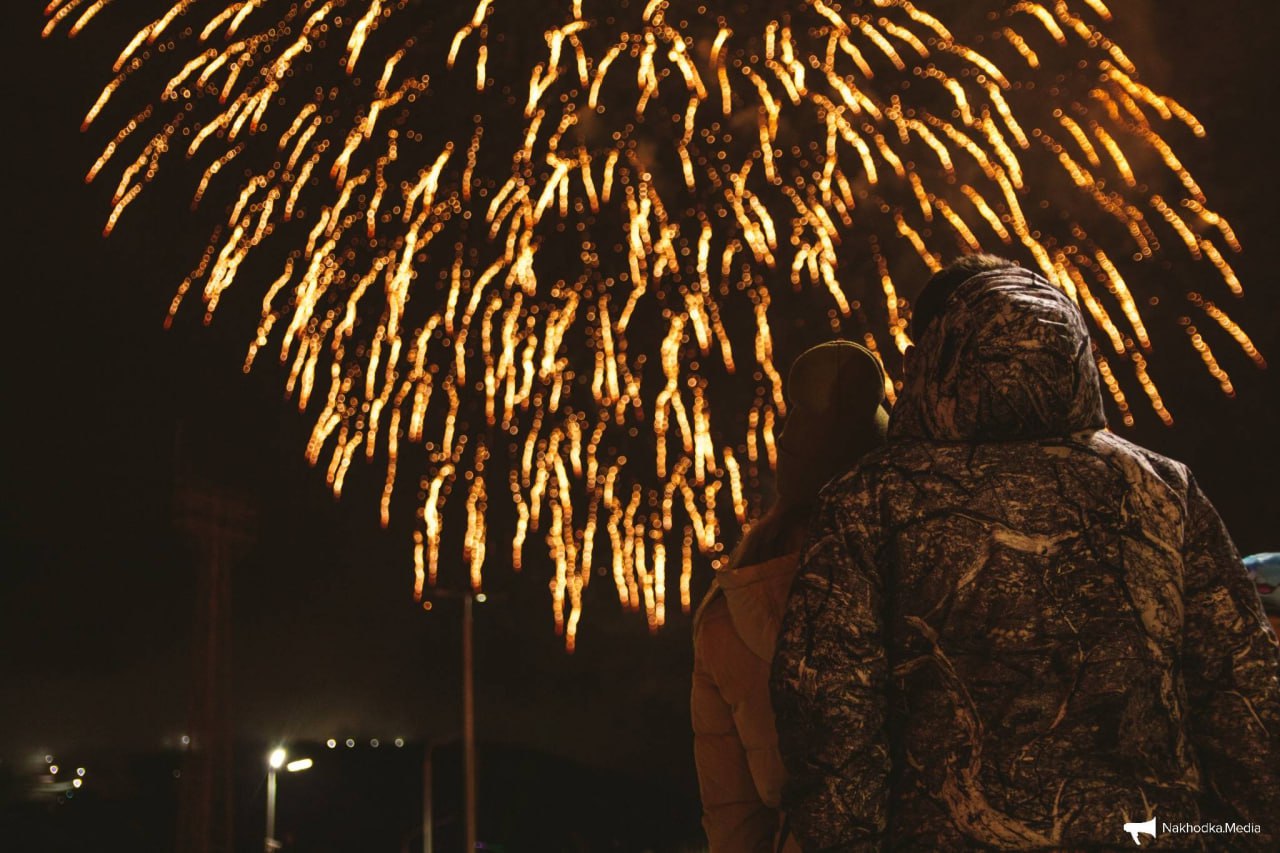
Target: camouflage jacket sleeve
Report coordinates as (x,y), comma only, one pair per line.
(828,685)
(1231,668)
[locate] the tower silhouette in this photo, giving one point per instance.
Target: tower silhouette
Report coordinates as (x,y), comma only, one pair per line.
(218,521)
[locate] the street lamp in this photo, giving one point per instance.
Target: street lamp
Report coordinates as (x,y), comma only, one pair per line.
(275,761)
(469,599)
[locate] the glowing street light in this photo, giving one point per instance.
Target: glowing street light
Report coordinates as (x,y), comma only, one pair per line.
(275,761)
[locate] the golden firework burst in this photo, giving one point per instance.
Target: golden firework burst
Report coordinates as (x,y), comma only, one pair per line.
(552,243)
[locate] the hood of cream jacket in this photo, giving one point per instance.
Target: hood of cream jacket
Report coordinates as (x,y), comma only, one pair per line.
(757,598)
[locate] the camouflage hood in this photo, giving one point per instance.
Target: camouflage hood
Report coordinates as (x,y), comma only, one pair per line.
(1010,359)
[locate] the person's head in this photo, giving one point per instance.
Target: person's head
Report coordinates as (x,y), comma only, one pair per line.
(1265,571)
(835,415)
(932,301)
(1000,354)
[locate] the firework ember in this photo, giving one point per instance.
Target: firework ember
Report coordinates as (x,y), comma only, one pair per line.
(543,250)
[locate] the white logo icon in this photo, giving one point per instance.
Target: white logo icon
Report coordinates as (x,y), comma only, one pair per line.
(1136,829)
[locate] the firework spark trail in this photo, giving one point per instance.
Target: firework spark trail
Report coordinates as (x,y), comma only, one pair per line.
(551,240)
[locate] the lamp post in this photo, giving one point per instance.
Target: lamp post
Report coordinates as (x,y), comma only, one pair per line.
(275,761)
(428,813)
(469,721)
(469,599)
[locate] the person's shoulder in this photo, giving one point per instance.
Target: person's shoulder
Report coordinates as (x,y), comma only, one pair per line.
(714,635)
(712,613)
(879,466)
(1174,473)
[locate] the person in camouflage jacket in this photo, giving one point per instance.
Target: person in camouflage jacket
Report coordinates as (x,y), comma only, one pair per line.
(1013,629)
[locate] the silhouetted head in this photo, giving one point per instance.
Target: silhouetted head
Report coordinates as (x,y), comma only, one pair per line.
(933,298)
(1000,354)
(834,416)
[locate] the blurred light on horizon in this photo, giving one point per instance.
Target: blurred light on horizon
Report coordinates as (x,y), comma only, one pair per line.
(299,765)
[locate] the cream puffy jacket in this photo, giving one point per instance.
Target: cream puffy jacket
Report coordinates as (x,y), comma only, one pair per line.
(740,772)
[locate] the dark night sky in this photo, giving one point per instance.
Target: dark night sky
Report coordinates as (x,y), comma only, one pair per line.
(97,592)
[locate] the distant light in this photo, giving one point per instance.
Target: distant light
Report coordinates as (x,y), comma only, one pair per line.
(399,741)
(350,743)
(79,771)
(186,740)
(300,764)
(76,783)
(277,758)
(374,743)
(482,598)
(331,743)
(53,768)
(427,605)
(48,759)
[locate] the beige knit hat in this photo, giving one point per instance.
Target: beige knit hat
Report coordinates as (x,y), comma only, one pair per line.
(835,392)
